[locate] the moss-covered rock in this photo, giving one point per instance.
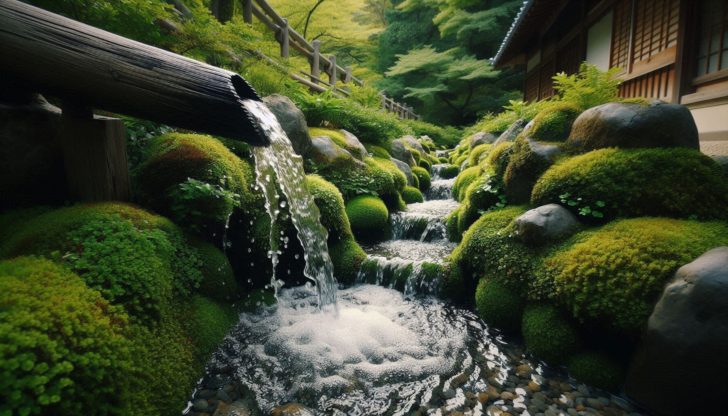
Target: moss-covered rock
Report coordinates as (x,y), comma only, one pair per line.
(330,203)
(481,195)
(615,273)
(548,334)
(425,163)
(479,153)
(423,178)
(63,346)
(451,225)
(597,369)
(218,281)
(411,195)
(343,139)
(553,124)
(498,158)
(528,161)
(680,183)
(209,321)
(448,171)
(369,217)
(463,181)
(377,151)
(347,257)
(498,305)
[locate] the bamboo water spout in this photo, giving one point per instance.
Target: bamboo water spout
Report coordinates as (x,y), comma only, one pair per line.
(47,53)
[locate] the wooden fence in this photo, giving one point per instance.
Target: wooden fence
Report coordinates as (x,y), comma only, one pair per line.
(337,77)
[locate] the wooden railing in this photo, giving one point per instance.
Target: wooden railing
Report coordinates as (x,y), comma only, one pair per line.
(337,77)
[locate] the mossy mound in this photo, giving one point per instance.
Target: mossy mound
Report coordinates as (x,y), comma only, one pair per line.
(369,217)
(597,369)
(498,305)
(553,124)
(423,178)
(548,334)
(525,166)
(463,180)
(425,163)
(448,171)
(63,349)
(481,195)
(451,225)
(209,321)
(347,257)
(218,281)
(498,159)
(377,151)
(680,183)
(478,153)
(614,274)
(330,203)
(195,180)
(133,258)
(379,177)
(412,195)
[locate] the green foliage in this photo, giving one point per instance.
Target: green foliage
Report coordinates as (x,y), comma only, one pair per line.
(553,124)
(680,183)
(347,257)
(139,134)
(423,178)
(368,216)
(597,370)
(377,151)
(548,334)
(589,87)
(209,321)
(218,281)
(411,195)
(498,305)
(463,181)
(514,111)
(615,273)
(444,137)
(62,349)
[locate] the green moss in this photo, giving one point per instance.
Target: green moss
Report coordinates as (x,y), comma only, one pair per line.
(498,305)
(134,258)
(498,159)
(680,183)
(454,287)
(377,151)
(449,171)
(423,178)
(369,217)
(451,225)
(553,124)
(463,180)
(615,273)
(337,136)
(63,350)
(548,334)
(218,281)
(13,221)
(597,369)
(208,323)
(330,203)
(411,195)
(523,170)
(478,153)
(257,299)
(481,195)
(347,257)
(425,164)
(460,159)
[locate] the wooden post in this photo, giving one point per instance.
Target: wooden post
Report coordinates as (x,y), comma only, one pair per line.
(315,61)
(248,11)
(94,155)
(332,71)
(285,39)
(347,77)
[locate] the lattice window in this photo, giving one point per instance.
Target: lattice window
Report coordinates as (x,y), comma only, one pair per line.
(655,27)
(620,35)
(713,39)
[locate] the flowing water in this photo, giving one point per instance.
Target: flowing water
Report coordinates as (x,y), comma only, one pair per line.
(277,167)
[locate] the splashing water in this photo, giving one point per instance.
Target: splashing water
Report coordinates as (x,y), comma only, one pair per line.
(278,166)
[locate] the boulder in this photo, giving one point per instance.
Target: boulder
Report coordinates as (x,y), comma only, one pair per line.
(405,168)
(354,146)
(292,120)
(399,151)
(324,152)
(528,161)
(681,365)
(546,223)
(512,132)
(482,138)
(413,143)
(631,125)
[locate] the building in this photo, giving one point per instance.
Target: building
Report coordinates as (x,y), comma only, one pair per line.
(672,50)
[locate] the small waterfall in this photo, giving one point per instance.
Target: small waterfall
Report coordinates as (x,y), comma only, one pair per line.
(278,166)
(424,221)
(411,278)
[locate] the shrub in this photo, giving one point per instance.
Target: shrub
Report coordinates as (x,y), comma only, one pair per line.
(463,181)
(411,195)
(523,170)
(548,334)
(63,350)
(680,183)
(368,216)
(423,178)
(218,281)
(614,274)
(589,87)
(597,369)
(134,258)
(553,124)
(498,305)
(347,257)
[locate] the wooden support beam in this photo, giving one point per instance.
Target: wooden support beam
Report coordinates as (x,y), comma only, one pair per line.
(315,65)
(285,39)
(332,70)
(347,77)
(248,11)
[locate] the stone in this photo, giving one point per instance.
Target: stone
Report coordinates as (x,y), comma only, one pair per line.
(482,138)
(511,132)
(399,150)
(354,146)
(292,120)
(200,405)
(237,408)
(529,160)
(632,125)
(223,396)
(405,168)
(507,395)
(524,370)
(291,409)
(547,223)
(413,143)
(683,352)
(533,386)
(325,152)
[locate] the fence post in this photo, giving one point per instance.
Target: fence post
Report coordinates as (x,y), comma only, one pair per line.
(315,59)
(347,77)
(285,39)
(332,71)
(248,11)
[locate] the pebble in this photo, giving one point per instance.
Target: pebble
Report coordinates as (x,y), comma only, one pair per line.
(200,405)
(524,370)
(507,395)
(533,386)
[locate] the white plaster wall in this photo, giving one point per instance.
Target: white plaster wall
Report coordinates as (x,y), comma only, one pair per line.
(599,42)
(712,121)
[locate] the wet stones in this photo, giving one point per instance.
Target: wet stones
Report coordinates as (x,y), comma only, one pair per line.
(292,120)
(546,223)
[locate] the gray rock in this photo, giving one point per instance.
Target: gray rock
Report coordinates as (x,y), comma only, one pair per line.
(681,365)
(200,405)
(546,223)
(292,120)
(634,125)
(511,133)
(412,142)
(324,152)
(354,146)
(482,138)
(529,160)
(405,168)
(399,151)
